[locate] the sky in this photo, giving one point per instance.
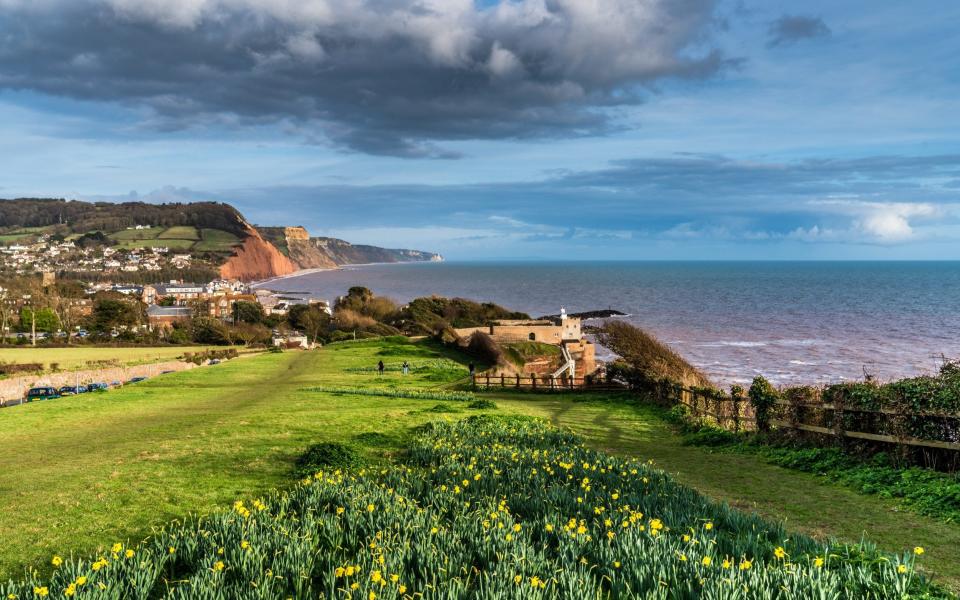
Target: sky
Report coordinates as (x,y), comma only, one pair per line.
(505,129)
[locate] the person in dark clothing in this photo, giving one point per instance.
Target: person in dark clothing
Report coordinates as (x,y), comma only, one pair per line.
(380,368)
(472,369)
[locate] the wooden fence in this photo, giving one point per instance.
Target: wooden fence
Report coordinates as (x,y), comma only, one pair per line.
(486,381)
(824,418)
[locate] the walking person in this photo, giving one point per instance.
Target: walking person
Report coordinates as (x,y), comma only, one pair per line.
(406,367)
(380,369)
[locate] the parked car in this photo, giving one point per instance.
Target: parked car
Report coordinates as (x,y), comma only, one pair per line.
(69,390)
(116,383)
(98,387)
(82,333)
(42,393)
(215,361)
(137,380)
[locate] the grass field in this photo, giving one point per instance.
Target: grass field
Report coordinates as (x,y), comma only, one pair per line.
(215,240)
(136,234)
(83,473)
(182,232)
(71,359)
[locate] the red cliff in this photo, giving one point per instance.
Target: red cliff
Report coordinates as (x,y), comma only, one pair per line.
(256,259)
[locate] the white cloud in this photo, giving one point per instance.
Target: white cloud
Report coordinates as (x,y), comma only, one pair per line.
(883,222)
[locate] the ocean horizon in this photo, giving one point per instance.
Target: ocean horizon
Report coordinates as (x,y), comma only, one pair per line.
(794,322)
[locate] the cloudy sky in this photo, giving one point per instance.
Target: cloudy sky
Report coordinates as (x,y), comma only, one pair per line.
(633,129)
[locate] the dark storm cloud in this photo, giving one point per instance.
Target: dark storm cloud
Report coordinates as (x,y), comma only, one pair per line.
(380,76)
(789,29)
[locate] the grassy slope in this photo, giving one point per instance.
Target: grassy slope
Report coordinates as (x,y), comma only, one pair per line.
(91,470)
(80,473)
(71,359)
(804,502)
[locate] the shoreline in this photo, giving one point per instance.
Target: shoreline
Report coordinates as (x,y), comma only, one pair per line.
(302,272)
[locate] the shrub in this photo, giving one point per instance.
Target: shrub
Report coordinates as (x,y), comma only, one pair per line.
(650,358)
(482,403)
(483,348)
(763,397)
(326,455)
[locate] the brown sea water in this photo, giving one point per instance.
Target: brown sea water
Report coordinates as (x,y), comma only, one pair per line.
(793,322)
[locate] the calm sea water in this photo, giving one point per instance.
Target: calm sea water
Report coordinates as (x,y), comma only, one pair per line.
(794,322)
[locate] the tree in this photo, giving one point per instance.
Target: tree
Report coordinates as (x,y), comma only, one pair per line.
(247,312)
(207,330)
(312,319)
(40,319)
(109,314)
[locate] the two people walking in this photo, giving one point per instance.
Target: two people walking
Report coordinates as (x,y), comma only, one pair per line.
(405,368)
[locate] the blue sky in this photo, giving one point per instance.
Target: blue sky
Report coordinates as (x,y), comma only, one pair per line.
(634,129)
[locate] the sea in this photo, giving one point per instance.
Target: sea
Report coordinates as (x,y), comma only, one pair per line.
(792,322)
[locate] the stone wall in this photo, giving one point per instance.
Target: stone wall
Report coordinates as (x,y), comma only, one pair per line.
(16,388)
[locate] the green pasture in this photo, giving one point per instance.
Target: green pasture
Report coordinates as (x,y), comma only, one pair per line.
(216,240)
(136,234)
(82,473)
(80,357)
(180,232)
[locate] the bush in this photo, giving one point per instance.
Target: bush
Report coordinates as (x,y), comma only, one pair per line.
(763,398)
(482,347)
(326,455)
(482,404)
(649,358)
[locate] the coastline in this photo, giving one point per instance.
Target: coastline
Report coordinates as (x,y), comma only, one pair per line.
(302,272)
(297,273)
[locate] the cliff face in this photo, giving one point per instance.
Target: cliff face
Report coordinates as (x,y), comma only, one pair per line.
(256,259)
(345,253)
(328,253)
(302,250)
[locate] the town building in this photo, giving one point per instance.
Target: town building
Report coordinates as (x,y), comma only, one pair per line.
(163,317)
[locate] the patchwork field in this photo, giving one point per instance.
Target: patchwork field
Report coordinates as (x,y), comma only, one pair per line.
(91,471)
(179,238)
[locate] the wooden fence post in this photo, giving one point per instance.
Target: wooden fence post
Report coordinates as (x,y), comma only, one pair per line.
(503,380)
(533,382)
(736,393)
(518,381)
(838,429)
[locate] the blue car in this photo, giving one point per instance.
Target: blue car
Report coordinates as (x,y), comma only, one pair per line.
(69,390)
(137,380)
(98,387)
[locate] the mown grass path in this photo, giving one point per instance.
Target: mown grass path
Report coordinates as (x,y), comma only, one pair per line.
(804,502)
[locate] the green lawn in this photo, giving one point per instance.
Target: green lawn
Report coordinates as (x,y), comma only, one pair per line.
(215,240)
(180,232)
(70,359)
(155,243)
(82,473)
(136,234)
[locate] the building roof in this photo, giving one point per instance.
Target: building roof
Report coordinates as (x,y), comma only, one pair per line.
(169,311)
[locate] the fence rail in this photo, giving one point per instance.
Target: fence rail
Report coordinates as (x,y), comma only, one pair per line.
(736,413)
(486,381)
